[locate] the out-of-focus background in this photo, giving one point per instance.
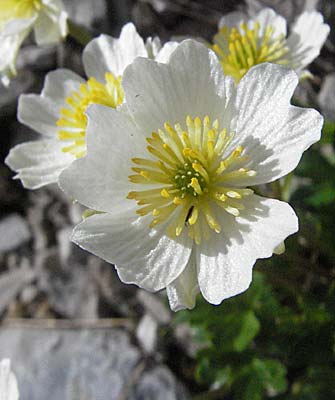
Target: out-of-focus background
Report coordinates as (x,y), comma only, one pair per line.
(75,332)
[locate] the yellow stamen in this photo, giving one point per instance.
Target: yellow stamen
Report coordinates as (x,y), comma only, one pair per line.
(240,48)
(186,171)
(73,120)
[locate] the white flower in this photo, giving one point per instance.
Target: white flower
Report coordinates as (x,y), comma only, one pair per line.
(17,18)
(172,177)
(59,112)
(243,42)
(8,383)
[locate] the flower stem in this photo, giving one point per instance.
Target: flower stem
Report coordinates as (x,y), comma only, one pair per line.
(79,33)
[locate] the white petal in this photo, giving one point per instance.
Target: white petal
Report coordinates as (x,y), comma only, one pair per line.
(273,133)
(225,261)
(39,113)
(307,37)
(50,27)
(267,17)
(8,382)
(9,48)
(100,180)
(107,54)
(144,256)
(38,163)
(182,291)
(233,19)
(192,83)
(153,46)
(18,26)
(165,52)
(60,84)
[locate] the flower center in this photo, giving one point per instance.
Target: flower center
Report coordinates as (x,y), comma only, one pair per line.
(190,178)
(241,49)
(11,9)
(73,120)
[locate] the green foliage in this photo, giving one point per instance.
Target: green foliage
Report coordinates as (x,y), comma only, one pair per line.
(277,340)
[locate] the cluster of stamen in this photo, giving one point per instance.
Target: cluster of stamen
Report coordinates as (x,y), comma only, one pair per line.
(239,49)
(73,120)
(191,176)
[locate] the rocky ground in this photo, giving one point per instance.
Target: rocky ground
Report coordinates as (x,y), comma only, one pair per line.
(72,330)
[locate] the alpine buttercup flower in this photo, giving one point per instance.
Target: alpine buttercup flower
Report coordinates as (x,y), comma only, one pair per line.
(59,112)
(244,42)
(8,383)
(17,18)
(172,175)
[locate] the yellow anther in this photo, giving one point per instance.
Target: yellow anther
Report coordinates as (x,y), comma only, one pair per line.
(195,185)
(194,216)
(247,47)
(165,193)
(73,119)
(187,174)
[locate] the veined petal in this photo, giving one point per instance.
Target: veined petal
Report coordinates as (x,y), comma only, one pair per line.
(156,93)
(307,37)
(233,19)
(38,163)
(225,263)
(183,290)
(39,113)
(100,180)
(268,17)
(109,54)
(273,132)
(144,256)
(59,84)
(165,52)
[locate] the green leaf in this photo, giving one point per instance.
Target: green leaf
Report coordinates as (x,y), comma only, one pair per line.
(261,377)
(249,328)
(323,195)
(328,132)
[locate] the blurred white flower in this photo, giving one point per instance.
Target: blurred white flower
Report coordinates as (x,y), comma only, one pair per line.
(58,113)
(244,42)
(8,383)
(17,18)
(173,175)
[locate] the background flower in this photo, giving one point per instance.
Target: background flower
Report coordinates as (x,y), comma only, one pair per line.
(58,113)
(47,18)
(243,42)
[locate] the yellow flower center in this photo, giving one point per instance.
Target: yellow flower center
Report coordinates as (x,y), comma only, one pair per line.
(73,120)
(190,177)
(241,49)
(12,9)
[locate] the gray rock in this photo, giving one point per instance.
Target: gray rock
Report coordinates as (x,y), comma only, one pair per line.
(11,283)
(326,98)
(146,333)
(37,57)
(24,81)
(97,364)
(159,383)
(14,232)
(71,290)
(154,306)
